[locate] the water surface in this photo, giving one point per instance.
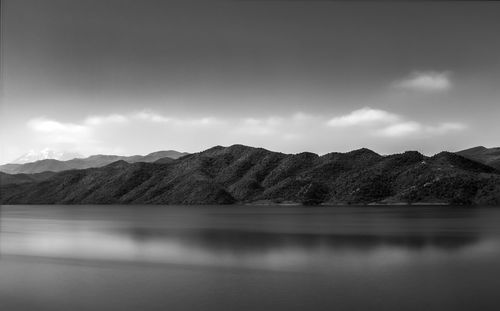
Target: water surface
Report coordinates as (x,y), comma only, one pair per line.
(249,258)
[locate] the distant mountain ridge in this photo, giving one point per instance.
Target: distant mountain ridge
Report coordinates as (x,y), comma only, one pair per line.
(242,174)
(53,165)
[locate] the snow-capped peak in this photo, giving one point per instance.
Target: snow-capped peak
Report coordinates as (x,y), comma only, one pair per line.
(32,156)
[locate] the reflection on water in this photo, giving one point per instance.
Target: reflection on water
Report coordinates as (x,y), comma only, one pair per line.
(246,242)
(328,243)
(265,238)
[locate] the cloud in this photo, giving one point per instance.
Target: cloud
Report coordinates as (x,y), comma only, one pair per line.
(425,81)
(382,123)
(151,116)
(48,126)
(408,128)
(400,129)
(52,131)
(363,116)
(98,120)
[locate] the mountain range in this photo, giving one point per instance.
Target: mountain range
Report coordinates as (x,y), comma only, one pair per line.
(55,165)
(242,174)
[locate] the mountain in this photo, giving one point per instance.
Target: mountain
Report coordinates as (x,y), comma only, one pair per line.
(242,174)
(488,156)
(45,154)
(152,157)
(23,178)
(83,163)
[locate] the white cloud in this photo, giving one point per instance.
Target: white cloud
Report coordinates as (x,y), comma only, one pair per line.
(52,131)
(197,122)
(400,129)
(98,120)
(417,129)
(363,116)
(48,126)
(382,123)
(426,81)
(147,115)
(151,116)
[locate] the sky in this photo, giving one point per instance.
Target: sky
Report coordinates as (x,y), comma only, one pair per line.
(133,77)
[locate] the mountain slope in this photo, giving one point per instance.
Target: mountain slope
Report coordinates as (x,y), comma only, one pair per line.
(224,175)
(24,178)
(488,156)
(83,163)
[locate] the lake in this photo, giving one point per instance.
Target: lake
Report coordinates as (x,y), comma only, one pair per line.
(249,258)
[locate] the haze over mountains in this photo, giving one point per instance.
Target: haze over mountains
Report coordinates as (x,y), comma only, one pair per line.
(242,174)
(44,154)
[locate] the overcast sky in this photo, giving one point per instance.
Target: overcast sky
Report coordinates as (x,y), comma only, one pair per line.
(132,77)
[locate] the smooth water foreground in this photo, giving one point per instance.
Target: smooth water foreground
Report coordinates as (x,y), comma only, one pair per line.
(249,258)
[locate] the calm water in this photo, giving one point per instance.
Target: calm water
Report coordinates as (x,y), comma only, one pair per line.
(249,258)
